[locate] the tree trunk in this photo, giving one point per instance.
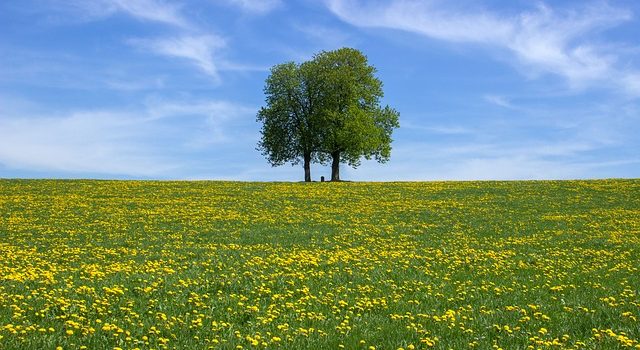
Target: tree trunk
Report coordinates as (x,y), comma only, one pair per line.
(307,167)
(335,166)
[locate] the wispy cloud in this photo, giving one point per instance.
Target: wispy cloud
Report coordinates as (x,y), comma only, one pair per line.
(632,82)
(148,141)
(490,161)
(185,38)
(152,10)
(145,10)
(328,37)
(256,6)
(439,129)
(542,39)
(216,116)
(81,142)
(197,49)
(590,140)
(211,109)
(499,101)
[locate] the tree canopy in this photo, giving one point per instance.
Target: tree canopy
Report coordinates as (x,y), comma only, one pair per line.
(354,125)
(289,121)
(326,109)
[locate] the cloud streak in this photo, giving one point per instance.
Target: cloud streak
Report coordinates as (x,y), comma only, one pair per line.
(498,101)
(199,50)
(152,10)
(256,6)
(144,10)
(542,39)
(488,161)
(185,39)
(82,142)
(150,141)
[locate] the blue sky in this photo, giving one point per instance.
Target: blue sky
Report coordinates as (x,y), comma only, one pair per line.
(154,89)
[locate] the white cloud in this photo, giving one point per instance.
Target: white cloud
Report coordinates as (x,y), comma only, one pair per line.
(632,81)
(216,115)
(152,10)
(591,140)
(482,161)
(146,10)
(203,51)
(186,40)
(101,142)
(545,40)
(211,109)
(498,100)
(325,37)
(130,85)
(149,141)
(256,6)
(197,49)
(440,129)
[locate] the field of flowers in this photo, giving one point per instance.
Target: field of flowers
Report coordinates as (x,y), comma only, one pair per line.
(196,265)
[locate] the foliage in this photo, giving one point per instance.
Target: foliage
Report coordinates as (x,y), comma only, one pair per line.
(289,121)
(354,123)
(193,265)
(285,131)
(325,108)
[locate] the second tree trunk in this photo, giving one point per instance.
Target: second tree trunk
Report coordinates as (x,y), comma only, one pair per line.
(307,167)
(335,166)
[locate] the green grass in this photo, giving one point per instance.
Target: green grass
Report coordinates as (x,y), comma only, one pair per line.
(443,265)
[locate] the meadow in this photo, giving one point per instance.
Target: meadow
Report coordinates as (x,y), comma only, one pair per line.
(232,265)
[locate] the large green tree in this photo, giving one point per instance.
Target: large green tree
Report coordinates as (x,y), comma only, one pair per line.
(353,122)
(290,128)
(327,110)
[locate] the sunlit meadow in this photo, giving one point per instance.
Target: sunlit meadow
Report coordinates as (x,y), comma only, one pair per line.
(442,265)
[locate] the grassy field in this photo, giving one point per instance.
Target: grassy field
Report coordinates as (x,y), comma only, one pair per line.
(443,265)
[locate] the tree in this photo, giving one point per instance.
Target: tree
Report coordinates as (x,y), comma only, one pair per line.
(290,119)
(325,109)
(353,123)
